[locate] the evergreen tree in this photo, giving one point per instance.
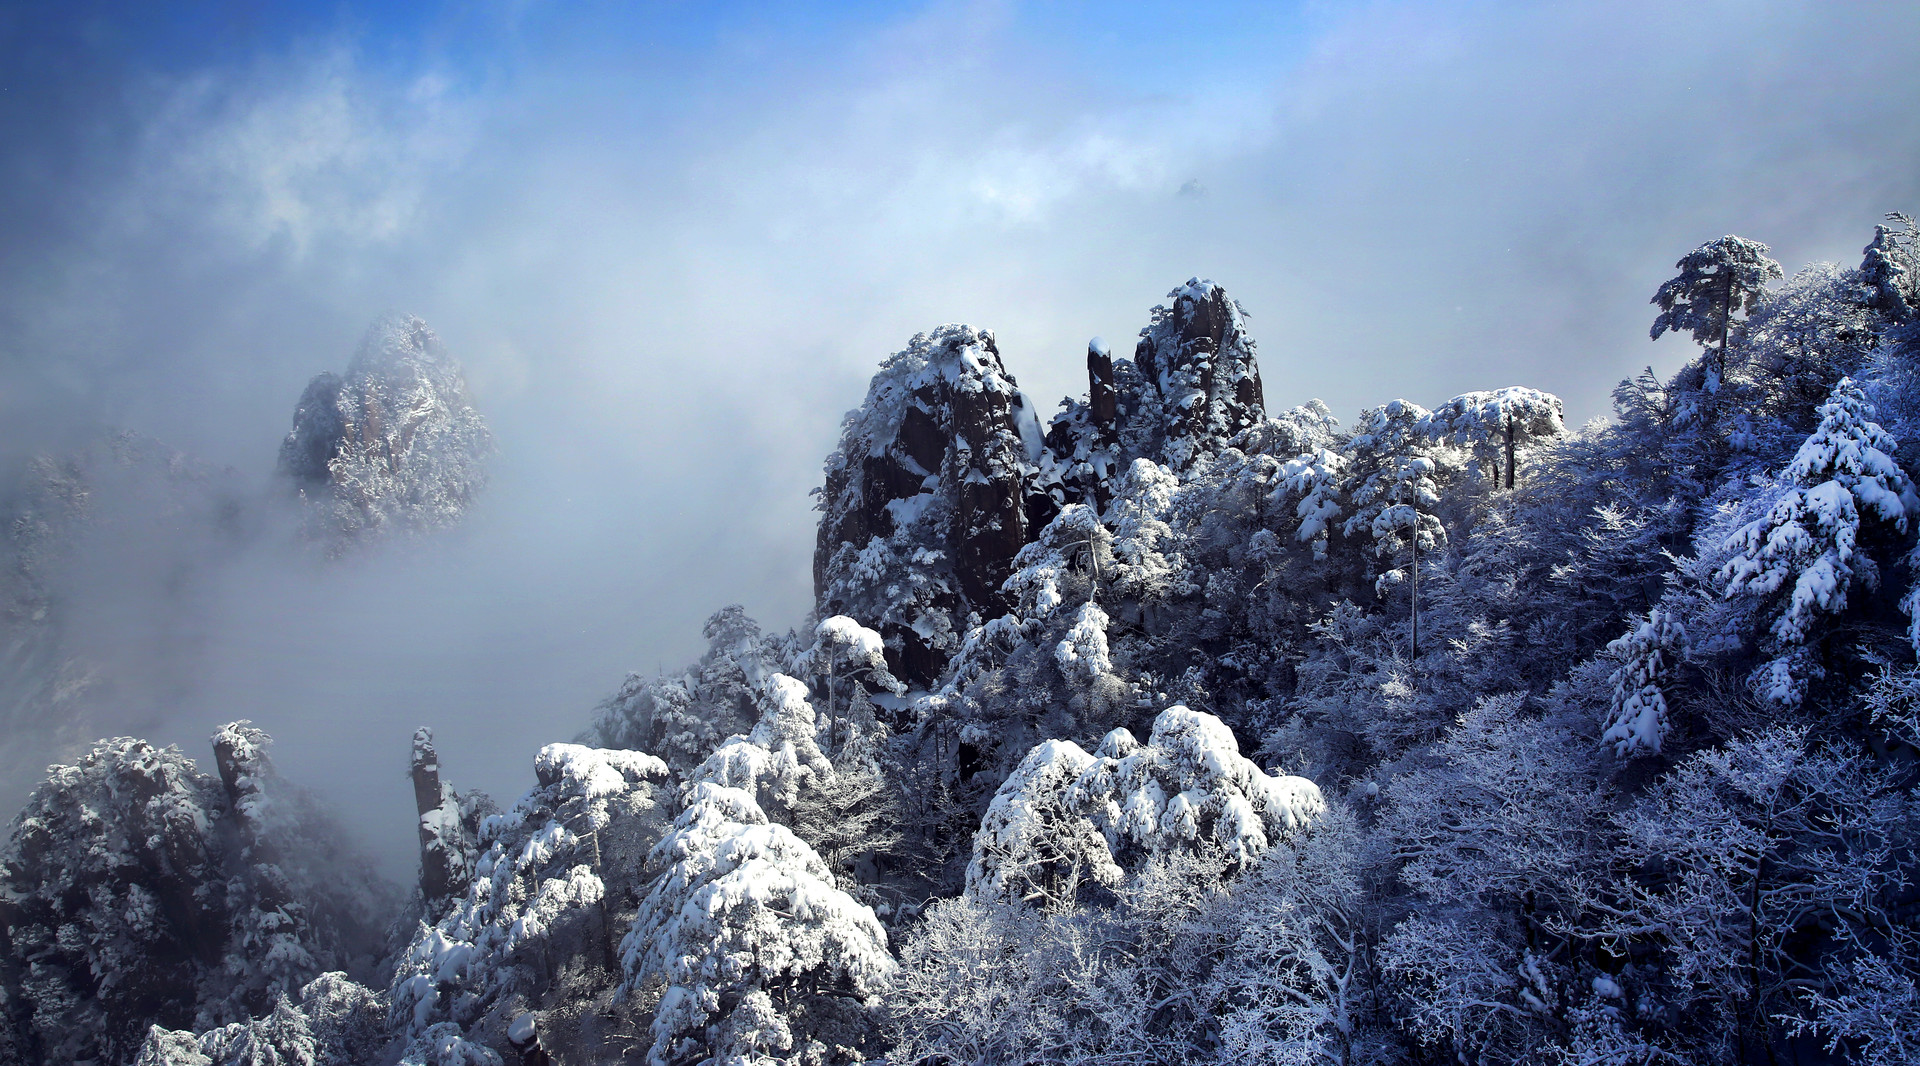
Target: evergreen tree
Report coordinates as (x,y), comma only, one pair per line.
(1719,280)
(1806,552)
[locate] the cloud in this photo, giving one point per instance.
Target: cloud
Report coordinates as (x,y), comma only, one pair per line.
(305,152)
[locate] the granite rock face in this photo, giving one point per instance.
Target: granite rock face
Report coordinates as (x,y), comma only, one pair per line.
(933,490)
(1194,381)
(943,474)
(393,445)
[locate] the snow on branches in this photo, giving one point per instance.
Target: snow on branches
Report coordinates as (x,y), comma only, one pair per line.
(782,754)
(1808,542)
(742,906)
(1718,280)
(1637,720)
(539,881)
(1496,425)
(1065,815)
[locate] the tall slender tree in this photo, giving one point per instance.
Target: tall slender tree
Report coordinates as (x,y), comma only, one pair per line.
(1718,280)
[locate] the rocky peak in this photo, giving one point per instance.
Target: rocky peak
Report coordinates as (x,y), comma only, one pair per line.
(942,475)
(393,444)
(928,497)
(1194,381)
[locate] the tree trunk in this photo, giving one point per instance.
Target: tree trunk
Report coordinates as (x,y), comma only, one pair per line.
(1414,643)
(1509,451)
(1726,322)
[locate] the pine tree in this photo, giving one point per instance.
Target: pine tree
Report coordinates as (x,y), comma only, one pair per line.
(1890,267)
(1495,426)
(1717,281)
(1807,543)
(1392,491)
(1637,721)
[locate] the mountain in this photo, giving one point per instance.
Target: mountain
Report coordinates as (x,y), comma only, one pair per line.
(1175,730)
(392,446)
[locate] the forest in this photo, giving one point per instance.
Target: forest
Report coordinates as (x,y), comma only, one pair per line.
(1185,724)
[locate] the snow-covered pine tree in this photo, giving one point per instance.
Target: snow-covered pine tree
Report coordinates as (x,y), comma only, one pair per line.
(780,757)
(1637,722)
(333,1022)
(1065,816)
(744,945)
(846,653)
(1890,267)
(682,717)
(1392,489)
(536,914)
(1802,557)
(1497,425)
(1717,281)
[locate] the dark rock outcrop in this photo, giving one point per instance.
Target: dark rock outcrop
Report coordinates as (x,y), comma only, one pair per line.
(449,826)
(930,495)
(1194,382)
(942,475)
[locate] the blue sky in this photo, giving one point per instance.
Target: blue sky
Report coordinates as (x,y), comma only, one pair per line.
(671,241)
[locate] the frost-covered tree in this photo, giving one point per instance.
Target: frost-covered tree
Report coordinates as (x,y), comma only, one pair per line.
(1890,267)
(140,891)
(1496,426)
(1504,815)
(682,717)
(1816,329)
(1872,1011)
(845,650)
(1290,982)
(1392,490)
(536,915)
(1717,281)
(1065,816)
(744,938)
(1760,870)
(1804,555)
(1637,722)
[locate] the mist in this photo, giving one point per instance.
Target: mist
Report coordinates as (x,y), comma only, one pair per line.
(669,248)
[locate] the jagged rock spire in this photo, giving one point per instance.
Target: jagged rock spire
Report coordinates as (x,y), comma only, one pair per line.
(1194,380)
(928,497)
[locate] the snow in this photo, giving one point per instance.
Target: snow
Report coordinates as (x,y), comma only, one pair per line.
(1637,723)
(1063,811)
(537,875)
(1082,653)
(1842,476)
(741,901)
